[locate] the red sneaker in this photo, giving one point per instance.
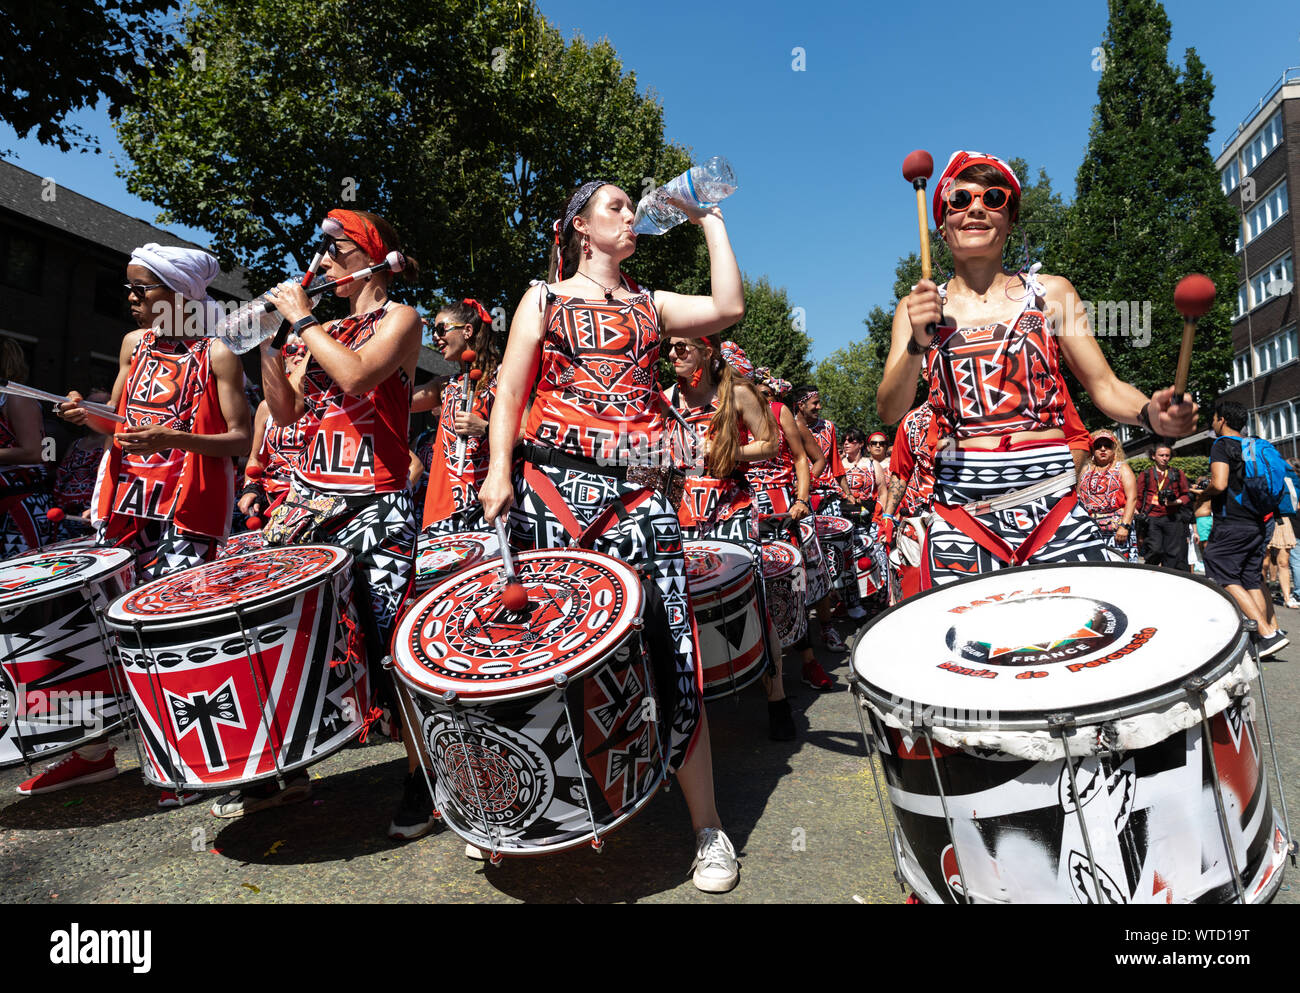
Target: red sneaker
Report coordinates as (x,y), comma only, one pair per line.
(167,799)
(815,676)
(71,770)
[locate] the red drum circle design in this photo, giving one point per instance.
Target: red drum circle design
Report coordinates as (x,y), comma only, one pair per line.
(443,555)
(702,564)
(241,544)
(461,638)
(239,581)
(779,558)
(832,527)
(38,574)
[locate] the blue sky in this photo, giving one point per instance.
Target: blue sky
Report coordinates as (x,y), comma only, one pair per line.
(822,208)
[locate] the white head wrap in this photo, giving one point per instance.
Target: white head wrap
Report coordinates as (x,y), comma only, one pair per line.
(186,271)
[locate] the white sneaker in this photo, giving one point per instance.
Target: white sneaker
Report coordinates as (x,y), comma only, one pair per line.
(855,613)
(1292,602)
(715,867)
(475,853)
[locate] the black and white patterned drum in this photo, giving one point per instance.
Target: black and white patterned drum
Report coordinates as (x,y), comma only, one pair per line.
(441,555)
(784,578)
(244,668)
(543,727)
(721,578)
(836,535)
(60,684)
(1146,670)
(814,558)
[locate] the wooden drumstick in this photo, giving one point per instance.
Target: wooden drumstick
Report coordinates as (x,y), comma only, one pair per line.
(917,168)
(1193,296)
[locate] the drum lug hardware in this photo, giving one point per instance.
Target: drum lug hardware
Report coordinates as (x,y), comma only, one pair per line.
(561,680)
(1196,684)
(1061,722)
(598,845)
(386,662)
(449,698)
(495,858)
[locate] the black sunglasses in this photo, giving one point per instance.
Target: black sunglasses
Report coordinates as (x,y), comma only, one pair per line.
(140,289)
(332,249)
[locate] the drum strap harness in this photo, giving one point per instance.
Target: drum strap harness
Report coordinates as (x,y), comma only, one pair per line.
(963,518)
(583,537)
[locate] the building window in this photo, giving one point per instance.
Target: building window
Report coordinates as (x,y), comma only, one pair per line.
(1267,213)
(1125,433)
(1269,283)
(1242,307)
(1275,351)
(1240,369)
(1276,422)
(1266,139)
(1229,177)
(20,260)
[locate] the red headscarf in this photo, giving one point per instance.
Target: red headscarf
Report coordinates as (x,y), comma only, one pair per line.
(362,232)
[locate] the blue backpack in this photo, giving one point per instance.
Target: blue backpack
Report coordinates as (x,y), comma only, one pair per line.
(1271,486)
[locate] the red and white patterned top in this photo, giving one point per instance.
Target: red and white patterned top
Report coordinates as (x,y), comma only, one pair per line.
(913,460)
(451,492)
(861,479)
(1101,491)
(998,379)
(597,389)
(170,384)
(707,499)
(778,471)
(359,445)
(824,432)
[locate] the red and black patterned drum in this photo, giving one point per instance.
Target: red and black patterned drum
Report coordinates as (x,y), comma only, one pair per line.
(542,726)
(60,685)
(244,668)
(721,580)
(241,544)
(814,558)
(1162,796)
(784,580)
(441,555)
(836,535)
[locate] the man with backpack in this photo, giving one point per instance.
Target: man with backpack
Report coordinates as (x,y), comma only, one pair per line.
(1243,493)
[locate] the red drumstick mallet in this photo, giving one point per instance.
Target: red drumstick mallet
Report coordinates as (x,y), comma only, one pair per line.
(253,472)
(1193,296)
(918,167)
(514,597)
(466,357)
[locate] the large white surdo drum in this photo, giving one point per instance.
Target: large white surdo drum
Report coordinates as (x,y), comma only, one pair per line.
(543,726)
(723,586)
(1075,733)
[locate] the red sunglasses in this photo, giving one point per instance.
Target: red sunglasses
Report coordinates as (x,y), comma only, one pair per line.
(994,198)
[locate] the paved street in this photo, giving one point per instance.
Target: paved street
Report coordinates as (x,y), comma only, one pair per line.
(803,816)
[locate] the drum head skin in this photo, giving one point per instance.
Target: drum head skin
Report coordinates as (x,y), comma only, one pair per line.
(711,564)
(248,581)
(1095,640)
(832,527)
(446,554)
(780,558)
(38,575)
(459,637)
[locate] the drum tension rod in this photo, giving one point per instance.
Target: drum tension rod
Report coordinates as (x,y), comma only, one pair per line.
(1062,724)
(561,684)
(1195,687)
(1291,844)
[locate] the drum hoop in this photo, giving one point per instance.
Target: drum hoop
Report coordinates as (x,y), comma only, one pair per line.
(121,622)
(1155,698)
(545,681)
(113,561)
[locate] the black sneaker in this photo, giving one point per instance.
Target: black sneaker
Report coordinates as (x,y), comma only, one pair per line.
(414,817)
(259,796)
(780,723)
(1275,642)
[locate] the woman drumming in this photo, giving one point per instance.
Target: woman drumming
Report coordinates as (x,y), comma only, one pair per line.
(1108,493)
(356,386)
(451,500)
(866,480)
(24,478)
(1005,332)
(597,419)
(788,473)
(731,429)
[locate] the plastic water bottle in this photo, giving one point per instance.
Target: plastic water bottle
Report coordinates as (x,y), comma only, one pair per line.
(703,185)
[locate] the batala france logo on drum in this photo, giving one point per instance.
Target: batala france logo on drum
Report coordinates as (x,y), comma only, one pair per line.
(1035,629)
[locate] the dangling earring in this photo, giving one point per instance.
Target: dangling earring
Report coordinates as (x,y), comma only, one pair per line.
(696,377)
(586,247)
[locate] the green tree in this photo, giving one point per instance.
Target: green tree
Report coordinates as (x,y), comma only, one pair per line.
(847,379)
(771,332)
(465,122)
(1149,209)
(59,58)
